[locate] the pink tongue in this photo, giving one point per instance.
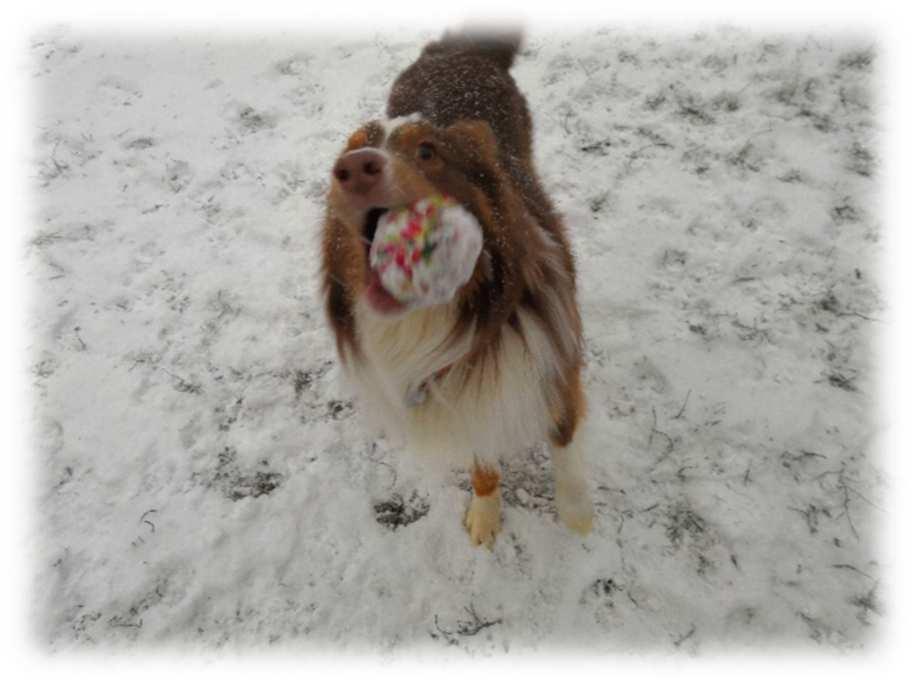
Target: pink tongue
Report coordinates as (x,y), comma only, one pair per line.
(378,296)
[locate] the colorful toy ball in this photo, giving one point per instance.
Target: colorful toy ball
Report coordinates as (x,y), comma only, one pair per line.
(424,252)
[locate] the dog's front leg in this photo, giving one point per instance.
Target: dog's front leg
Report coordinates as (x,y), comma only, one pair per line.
(572,496)
(483,518)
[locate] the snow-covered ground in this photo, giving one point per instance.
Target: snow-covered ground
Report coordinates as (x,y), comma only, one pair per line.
(203,480)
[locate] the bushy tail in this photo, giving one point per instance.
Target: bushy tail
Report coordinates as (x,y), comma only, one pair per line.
(499,44)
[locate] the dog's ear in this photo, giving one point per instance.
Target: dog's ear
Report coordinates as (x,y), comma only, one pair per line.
(477,136)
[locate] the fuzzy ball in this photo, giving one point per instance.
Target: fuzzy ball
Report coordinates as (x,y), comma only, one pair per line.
(424,252)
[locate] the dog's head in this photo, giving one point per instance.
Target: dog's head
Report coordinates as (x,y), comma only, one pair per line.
(390,164)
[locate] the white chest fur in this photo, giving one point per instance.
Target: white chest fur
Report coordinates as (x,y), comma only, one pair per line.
(489,411)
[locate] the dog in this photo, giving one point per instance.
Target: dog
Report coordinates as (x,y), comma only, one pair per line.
(498,368)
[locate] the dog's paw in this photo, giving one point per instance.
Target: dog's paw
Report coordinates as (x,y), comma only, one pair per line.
(483,519)
(575,509)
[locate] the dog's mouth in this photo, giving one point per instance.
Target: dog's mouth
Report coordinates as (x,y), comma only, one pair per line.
(370,225)
(378,296)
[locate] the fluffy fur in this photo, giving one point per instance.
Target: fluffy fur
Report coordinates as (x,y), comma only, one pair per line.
(498,368)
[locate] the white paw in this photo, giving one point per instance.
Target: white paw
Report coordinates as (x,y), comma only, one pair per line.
(483,519)
(575,508)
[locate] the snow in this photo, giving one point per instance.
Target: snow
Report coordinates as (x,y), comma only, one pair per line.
(203,480)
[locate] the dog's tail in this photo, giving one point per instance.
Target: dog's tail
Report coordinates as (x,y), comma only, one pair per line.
(498,44)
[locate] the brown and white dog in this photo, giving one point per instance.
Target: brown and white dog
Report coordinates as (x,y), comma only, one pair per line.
(498,369)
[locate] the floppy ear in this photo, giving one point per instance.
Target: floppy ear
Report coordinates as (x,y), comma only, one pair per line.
(475,135)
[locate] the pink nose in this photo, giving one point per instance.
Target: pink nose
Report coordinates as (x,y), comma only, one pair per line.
(359,171)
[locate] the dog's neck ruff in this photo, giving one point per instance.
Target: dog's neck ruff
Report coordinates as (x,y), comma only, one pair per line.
(418,394)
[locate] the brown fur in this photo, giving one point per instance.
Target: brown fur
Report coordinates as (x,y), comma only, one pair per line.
(478,122)
(484,480)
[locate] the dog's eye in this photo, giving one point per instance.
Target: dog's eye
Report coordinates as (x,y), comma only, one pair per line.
(425,151)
